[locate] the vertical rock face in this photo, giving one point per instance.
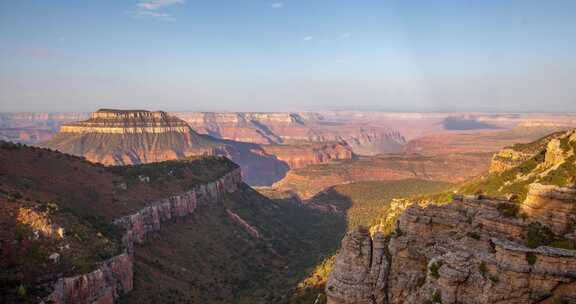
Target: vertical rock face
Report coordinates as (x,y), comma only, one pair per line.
(150,219)
(462,252)
(552,206)
(114,276)
(360,269)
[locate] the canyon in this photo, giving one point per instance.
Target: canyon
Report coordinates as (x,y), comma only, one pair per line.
(142,208)
(81,232)
(135,136)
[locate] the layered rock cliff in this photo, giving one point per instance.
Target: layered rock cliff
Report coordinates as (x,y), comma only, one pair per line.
(299,156)
(513,156)
(468,251)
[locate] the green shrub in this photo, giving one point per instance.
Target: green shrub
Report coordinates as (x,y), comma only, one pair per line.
(437,297)
(493,278)
(531,258)
(434,267)
(421,281)
(473,235)
(538,235)
(508,209)
(22,292)
(483,269)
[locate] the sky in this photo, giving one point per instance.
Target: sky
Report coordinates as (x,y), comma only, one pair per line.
(288,55)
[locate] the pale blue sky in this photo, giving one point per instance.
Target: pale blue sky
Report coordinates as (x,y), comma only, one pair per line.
(252,55)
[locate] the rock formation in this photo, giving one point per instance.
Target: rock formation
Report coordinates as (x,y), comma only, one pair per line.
(118,137)
(468,251)
(552,206)
(299,156)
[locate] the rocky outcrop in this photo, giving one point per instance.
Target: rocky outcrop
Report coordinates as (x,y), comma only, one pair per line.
(360,269)
(508,158)
(552,206)
(466,251)
(114,276)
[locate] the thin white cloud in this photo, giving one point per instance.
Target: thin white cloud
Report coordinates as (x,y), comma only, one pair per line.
(155,9)
(153,5)
(308,38)
(277,5)
(344,36)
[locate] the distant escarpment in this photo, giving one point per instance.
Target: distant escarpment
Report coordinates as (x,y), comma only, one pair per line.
(299,156)
(310,180)
(123,137)
(295,128)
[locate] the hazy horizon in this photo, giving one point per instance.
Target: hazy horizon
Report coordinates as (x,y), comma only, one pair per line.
(288,56)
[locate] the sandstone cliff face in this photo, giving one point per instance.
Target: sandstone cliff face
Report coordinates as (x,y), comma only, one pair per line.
(114,276)
(464,252)
(552,206)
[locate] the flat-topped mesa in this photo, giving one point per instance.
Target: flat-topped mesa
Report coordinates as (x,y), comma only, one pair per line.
(127,122)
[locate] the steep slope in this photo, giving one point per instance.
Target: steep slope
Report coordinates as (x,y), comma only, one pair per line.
(57,212)
(118,137)
(474,249)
